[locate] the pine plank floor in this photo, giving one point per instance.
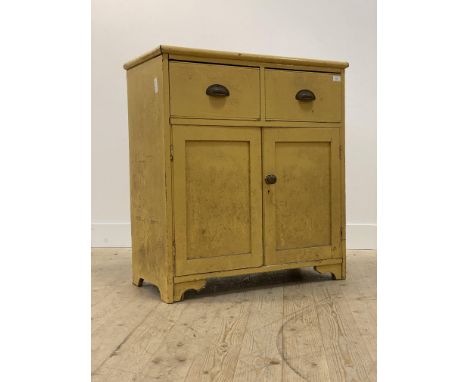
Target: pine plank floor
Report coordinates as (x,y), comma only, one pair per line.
(294,325)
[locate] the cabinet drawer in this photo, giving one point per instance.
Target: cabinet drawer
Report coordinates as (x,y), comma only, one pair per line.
(322,93)
(188,91)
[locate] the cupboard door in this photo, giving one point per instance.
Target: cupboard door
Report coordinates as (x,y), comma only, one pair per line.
(217,198)
(302,208)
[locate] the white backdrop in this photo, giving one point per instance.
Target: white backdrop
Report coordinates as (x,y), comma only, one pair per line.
(323,29)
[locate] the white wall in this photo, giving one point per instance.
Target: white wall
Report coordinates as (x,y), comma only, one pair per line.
(324,29)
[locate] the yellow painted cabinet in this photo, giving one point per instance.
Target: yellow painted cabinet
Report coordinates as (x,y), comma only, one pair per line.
(236,166)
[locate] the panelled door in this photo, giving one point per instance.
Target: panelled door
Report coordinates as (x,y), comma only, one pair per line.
(217,198)
(301,194)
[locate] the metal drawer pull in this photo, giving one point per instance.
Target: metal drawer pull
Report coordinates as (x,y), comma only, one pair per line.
(305,95)
(217,90)
(270,179)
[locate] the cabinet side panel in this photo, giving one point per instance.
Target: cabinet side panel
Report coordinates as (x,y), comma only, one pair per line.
(343,180)
(147,173)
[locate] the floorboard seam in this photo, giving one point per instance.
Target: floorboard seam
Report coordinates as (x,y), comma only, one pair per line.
(124,340)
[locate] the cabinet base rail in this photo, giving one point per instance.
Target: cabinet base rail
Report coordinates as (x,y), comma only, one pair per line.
(197,282)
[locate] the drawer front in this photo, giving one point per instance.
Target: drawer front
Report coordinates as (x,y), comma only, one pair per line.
(188,91)
(321,96)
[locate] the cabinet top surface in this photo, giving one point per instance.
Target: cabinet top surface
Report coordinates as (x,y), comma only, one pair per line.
(215,54)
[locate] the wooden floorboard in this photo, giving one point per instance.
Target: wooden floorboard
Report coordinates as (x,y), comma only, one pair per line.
(294,325)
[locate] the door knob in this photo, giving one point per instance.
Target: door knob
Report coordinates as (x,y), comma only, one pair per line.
(270,179)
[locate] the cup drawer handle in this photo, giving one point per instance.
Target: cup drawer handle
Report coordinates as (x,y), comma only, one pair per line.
(305,95)
(217,90)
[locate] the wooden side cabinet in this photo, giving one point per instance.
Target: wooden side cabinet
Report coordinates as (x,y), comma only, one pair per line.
(236,166)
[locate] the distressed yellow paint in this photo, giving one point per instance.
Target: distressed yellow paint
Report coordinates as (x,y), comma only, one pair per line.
(215,215)
(281,87)
(199,204)
(218,198)
(302,210)
(205,55)
(189,82)
(147,171)
(302,194)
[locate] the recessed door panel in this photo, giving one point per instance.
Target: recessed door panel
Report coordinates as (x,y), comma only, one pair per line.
(302,214)
(217,198)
